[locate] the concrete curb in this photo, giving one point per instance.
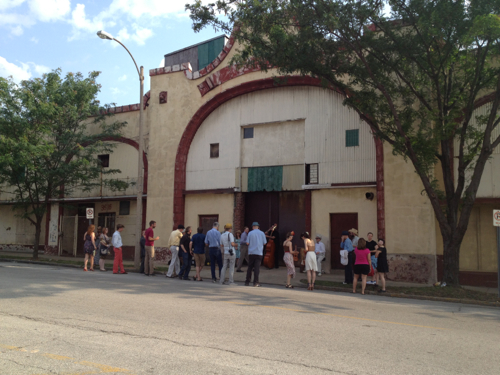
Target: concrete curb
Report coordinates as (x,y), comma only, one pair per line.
(303,286)
(411,296)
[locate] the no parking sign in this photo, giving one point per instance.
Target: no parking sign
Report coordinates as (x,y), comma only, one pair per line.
(496,218)
(90,213)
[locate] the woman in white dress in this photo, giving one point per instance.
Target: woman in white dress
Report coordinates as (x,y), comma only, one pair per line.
(311,263)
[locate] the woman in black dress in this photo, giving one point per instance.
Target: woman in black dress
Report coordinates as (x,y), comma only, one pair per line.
(382,265)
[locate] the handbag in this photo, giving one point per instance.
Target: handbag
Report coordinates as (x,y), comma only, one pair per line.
(104,250)
(372,271)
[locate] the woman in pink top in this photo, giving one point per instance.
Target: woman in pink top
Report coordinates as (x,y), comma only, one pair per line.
(362,265)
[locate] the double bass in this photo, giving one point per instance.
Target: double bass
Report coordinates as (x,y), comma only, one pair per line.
(270,250)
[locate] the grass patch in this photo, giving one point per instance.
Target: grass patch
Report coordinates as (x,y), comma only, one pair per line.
(428,291)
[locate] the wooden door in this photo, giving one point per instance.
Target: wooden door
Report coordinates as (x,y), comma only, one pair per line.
(207,222)
(262,207)
(292,215)
(338,224)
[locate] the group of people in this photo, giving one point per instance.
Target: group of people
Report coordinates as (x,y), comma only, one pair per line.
(363,257)
(96,248)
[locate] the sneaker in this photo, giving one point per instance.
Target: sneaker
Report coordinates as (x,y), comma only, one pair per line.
(247,284)
(239,271)
(344,283)
(256,285)
(319,274)
(382,291)
(214,280)
(233,284)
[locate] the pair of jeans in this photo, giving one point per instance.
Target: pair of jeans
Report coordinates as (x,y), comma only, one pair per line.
(175,264)
(186,264)
(349,275)
(243,255)
(215,256)
(118,261)
(229,261)
(253,264)
(97,255)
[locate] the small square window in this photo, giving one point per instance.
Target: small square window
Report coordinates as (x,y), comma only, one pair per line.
(247,133)
(104,160)
(124,207)
(214,150)
(352,138)
(312,174)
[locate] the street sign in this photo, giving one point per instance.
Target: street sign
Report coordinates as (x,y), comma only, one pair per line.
(90,213)
(496,218)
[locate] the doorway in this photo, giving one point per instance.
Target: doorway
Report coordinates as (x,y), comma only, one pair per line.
(107,220)
(338,224)
(207,222)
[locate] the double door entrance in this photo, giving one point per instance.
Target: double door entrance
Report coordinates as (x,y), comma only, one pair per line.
(339,223)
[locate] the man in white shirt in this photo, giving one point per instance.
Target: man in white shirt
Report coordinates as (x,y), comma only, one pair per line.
(117,248)
(319,249)
(228,244)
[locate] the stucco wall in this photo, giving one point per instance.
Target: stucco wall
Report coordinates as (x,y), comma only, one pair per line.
(209,204)
(15,230)
(478,251)
(346,200)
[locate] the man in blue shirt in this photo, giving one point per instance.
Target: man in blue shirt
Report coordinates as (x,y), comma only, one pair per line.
(346,244)
(255,241)
(243,249)
(213,241)
(197,246)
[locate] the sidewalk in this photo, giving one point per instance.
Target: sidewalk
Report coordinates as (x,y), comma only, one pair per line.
(267,276)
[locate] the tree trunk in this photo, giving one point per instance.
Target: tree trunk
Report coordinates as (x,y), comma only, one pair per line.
(38,231)
(451,255)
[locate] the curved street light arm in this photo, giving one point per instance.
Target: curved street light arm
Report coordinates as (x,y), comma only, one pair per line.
(123,45)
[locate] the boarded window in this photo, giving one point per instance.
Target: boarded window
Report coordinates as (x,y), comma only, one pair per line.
(214,150)
(104,160)
(124,208)
(312,176)
(352,138)
(265,178)
(247,133)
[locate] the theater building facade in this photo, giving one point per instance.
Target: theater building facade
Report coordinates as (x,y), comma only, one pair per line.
(239,145)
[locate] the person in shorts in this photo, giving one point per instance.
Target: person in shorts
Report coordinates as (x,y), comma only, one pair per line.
(362,265)
(197,246)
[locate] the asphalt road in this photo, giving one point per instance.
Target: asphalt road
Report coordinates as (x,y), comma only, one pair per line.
(56,320)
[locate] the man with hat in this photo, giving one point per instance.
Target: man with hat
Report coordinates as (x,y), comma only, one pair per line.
(319,249)
(346,244)
(174,242)
(213,241)
(228,244)
(255,241)
(353,235)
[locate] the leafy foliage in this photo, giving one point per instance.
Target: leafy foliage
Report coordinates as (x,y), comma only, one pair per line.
(412,69)
(51,129)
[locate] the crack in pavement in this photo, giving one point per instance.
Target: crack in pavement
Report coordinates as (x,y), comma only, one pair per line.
(39,320)
(23,365)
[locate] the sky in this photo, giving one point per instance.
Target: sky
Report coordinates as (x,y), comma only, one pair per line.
(38,36)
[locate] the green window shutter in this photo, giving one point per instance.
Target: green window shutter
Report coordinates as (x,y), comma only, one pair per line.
(207,52)
(265,178)
(352,138)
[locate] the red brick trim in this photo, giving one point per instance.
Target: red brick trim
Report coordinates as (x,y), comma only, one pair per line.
(268,83)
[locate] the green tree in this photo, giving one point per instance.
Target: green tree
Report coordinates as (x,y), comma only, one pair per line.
(412,69)
(51,129)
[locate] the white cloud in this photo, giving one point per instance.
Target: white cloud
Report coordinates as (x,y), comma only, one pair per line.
(80,22)
(17,30)
(34,40)
(18,73)
(122,78)
(23,72)
(49,10)
(7,4)
(140,35)
(116,91)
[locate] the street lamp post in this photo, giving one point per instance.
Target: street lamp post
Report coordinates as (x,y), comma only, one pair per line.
(138,230)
